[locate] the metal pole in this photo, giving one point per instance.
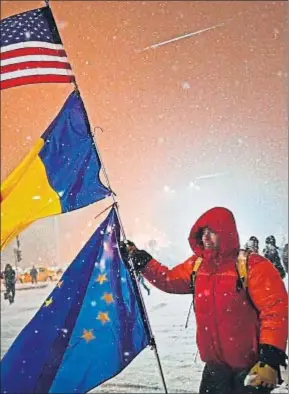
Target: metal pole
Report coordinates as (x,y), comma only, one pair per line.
(141,301)
(76,89)
(112,195)
(189,314)
(16,254)
(15,258)
(18,241)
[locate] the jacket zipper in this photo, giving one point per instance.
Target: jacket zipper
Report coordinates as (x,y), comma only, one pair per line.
(219,353)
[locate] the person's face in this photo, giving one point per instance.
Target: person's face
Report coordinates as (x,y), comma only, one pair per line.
(252,245)
(210,239)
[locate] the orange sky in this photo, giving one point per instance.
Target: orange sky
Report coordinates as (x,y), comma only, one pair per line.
(214,103)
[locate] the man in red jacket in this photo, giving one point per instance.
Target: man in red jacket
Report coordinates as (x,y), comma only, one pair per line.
(239,332)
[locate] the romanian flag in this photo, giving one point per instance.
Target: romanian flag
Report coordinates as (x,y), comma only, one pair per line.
(60,174)
(87,330)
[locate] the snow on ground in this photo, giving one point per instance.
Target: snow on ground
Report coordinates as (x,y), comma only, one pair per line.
(176,345)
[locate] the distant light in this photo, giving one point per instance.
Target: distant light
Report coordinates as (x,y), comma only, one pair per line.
(193,185)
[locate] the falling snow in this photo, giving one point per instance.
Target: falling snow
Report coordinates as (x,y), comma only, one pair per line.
(211,103)
(185,85)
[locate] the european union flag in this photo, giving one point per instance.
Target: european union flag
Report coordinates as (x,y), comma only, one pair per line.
(88,329)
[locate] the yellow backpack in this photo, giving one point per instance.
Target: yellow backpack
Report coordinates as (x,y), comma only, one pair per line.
(241,268)
(242,277)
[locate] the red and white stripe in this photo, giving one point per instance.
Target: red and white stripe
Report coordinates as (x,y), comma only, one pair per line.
(34,62)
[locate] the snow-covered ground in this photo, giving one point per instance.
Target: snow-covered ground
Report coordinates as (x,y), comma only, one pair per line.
(176,345)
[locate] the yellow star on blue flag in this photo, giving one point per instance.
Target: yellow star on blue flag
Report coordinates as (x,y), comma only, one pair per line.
(89,328)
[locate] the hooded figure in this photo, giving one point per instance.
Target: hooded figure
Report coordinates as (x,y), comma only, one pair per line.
(10,279)
(285,257)
(252,245)
(271,253)
(239,333)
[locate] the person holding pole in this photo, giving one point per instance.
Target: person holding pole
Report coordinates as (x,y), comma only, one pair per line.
(241,315)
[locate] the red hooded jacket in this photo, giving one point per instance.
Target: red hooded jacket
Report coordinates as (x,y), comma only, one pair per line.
(229,327)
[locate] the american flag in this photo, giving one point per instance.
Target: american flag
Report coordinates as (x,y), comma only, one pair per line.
(32,51)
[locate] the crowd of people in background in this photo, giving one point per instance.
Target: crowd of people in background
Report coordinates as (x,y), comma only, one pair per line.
(270,252)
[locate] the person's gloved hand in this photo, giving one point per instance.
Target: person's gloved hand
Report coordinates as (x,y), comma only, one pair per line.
(139,258)
(262,375)
(126,248)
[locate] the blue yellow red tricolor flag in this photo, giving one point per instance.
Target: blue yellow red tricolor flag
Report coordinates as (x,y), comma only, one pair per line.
(60,174)
(88,329)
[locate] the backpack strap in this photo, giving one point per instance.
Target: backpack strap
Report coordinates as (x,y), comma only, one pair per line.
(242,270)
(196,267)
(241,266)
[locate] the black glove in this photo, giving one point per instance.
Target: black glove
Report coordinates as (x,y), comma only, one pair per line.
(139,258)
(274,357)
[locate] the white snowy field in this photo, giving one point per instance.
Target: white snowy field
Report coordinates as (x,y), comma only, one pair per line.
(176,345)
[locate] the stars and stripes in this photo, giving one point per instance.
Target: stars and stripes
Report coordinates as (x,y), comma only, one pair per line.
(32,51)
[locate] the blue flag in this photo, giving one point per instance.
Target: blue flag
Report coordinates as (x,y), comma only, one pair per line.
(60,173)
(88,329)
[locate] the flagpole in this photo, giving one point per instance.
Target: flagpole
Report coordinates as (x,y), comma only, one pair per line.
(140,299)
(112,195)
(76,89)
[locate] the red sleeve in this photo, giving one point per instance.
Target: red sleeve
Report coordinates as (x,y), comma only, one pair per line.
(175,280)
(269,295)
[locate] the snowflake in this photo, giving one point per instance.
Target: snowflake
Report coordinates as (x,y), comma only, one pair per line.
(185,85)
